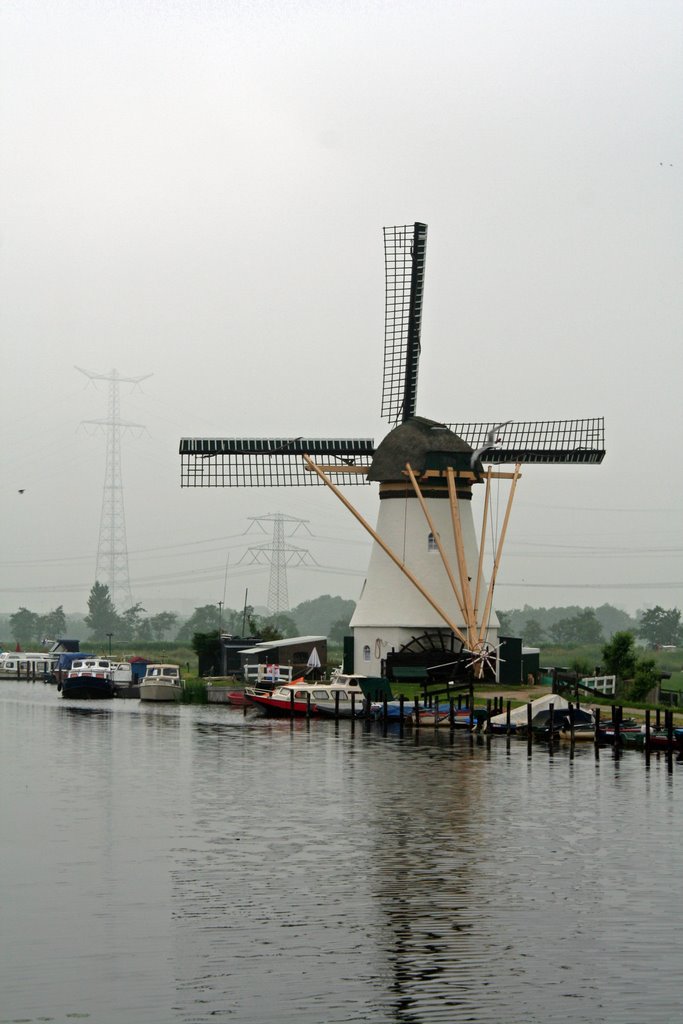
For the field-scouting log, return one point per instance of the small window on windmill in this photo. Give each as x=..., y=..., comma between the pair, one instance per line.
x=431, y=542
x=366, y=653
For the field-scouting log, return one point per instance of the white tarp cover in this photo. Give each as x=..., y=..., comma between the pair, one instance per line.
x=518, y=715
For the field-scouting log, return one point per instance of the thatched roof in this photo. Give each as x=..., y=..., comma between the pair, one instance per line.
x=421, y=442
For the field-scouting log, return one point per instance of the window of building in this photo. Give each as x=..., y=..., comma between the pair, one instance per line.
x=366, y=653
x=431, y=542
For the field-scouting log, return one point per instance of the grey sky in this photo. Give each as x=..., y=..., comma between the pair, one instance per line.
x=197, y=190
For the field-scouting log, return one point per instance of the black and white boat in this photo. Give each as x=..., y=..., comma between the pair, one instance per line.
x=89, y=679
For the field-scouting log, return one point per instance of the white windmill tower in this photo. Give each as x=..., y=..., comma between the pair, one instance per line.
x=425, y=602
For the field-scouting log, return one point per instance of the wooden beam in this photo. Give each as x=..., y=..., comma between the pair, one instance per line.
x=482, y=545
x=437, y=539
x=341, y=469
x=499, y=552
x=385, y=547
x=462, y=558
x=462, y=474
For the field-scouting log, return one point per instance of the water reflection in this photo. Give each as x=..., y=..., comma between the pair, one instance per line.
x=192, y=864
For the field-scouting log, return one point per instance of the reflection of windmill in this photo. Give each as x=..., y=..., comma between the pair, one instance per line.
x=425, y=585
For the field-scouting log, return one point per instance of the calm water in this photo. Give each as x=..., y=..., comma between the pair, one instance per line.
x=185, y=865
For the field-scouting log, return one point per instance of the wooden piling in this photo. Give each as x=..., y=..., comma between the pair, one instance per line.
x=336, y=705
x=597, y=732
x=647, y=736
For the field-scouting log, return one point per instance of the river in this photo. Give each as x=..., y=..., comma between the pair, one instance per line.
x=187, y=864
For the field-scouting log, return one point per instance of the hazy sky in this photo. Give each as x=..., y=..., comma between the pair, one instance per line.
x=197, y=189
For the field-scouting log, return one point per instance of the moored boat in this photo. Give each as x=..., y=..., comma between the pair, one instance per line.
x=315, y=698
x=88, y=679
x=26, y=664
x=161, y=683
x=437, y=715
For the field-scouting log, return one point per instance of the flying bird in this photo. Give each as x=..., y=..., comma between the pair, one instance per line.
x=21, y=490
x=492, y=439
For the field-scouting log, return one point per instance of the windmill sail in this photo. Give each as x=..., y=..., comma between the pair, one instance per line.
x=272, y=461
x=543, y=441
x=404, y=258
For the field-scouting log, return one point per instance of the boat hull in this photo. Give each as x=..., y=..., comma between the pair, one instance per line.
x=282, y=708
x=160, y=691
x=87, y=688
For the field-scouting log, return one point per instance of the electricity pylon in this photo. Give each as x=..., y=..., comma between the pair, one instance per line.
x=279, y=556
x=112, y=548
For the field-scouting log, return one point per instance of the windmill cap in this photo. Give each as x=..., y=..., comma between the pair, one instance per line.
x=425, y=444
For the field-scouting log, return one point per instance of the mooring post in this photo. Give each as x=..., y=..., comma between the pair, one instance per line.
x=336, y=705
x=551, y=723
x=658, y=721
x=416, y=712
x=291, y=703
x=451, y=714
x=647, y=735
x=508, y=713
x=669, y=718
x=597, y=732
x=308, y=705
x=617, y=727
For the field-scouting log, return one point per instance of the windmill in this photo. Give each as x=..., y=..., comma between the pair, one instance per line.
x=425, y=595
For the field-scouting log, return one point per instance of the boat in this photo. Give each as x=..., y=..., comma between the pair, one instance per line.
x=302, y=697
x=26, y=664
x=438, y=715
x=519, y=715
x=546, y=724
x=584, y=727
x=88, y=679
x=237, y=698
x=125, y=680
x=627, y=727
x=161, y=682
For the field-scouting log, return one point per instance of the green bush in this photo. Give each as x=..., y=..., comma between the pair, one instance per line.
x=194, y=692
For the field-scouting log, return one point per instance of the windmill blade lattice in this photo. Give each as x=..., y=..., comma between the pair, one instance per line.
x=544, y=441
x=404, y=259
x=272, y=462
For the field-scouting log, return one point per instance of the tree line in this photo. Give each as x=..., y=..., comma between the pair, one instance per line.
x=324, y=616
x=330, y=616
x=658, y=627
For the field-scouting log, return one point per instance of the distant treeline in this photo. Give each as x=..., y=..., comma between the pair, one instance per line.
x=567, y=623
x=323, y=616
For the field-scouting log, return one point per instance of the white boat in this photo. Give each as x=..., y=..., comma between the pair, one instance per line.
x=24, y=664
x=161, y=682
x=518, y=716
x=302, y=697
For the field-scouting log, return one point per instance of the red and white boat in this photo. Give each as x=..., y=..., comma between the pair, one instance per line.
x=301, y=697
